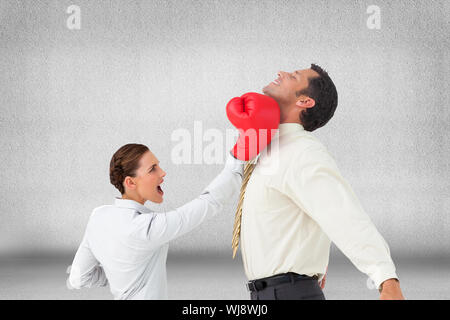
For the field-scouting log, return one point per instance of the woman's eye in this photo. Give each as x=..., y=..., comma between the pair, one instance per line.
x=151, y=169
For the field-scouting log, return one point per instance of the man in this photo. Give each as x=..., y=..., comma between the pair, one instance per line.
x=290, y=216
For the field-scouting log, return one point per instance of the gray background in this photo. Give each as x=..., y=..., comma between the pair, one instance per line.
x=138, y=70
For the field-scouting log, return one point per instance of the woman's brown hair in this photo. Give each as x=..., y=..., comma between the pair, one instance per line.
x=124, y=163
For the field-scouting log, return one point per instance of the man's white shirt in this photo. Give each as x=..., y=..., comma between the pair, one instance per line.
x=297, y=202
x=125, y=244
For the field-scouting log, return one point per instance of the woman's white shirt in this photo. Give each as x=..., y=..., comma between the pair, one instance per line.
x=125, y=245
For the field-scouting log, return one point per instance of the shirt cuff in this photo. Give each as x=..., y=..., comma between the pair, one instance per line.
x=233, y=164
x=382, y=275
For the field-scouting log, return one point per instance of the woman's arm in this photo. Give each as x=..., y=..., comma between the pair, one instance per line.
x=86, y=271
x=159, y=228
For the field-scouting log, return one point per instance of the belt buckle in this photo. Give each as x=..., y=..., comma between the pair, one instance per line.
x=250, y=286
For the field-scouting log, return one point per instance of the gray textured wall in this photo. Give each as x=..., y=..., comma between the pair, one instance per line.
x=138, y=70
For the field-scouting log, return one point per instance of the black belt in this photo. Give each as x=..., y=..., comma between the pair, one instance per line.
x=259, y=284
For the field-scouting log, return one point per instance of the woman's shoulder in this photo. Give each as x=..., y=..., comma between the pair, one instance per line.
x=121, y=214
x=103, y=208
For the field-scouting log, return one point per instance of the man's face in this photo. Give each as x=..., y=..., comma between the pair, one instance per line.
x=283, y=88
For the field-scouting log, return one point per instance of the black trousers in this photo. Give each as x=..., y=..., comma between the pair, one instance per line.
x=298, y=289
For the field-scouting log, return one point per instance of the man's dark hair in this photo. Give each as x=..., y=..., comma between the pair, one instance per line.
x=323, y=91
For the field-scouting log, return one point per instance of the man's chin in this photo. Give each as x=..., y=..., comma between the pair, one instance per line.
x=266, y=91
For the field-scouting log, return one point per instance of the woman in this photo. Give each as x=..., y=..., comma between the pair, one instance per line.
x=126, y=244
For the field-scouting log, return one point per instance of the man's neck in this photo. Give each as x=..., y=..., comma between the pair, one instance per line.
x=287, y=121
x=289, y=118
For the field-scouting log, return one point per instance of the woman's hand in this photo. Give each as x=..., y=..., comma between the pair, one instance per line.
x=257, y=117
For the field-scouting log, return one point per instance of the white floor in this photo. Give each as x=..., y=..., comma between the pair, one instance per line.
x=219, y=277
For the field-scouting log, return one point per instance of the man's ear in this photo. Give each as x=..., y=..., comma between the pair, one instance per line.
x=305, y=102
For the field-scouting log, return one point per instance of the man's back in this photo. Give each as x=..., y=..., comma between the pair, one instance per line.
x=296, y=202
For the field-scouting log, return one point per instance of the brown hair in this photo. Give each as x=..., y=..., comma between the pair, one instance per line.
x=124, y=163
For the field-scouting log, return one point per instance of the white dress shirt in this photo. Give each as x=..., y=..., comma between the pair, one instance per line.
x=126, y=244
x=296, y=203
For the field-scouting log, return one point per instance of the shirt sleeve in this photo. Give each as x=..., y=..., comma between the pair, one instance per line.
x=159, y=228
x=315, y=184
x=86, y=271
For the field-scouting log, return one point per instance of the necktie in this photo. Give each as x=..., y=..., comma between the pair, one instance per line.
x=237, y=220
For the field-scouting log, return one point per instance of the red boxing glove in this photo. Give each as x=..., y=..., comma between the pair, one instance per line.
x=257, y=117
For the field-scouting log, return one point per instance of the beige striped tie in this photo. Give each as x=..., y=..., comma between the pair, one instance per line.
x=249, y=166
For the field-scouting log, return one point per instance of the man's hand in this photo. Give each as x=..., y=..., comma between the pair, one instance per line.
x=322, y=282
x=390, y=290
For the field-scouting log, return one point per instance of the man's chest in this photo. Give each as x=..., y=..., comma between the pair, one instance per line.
x=264, y=191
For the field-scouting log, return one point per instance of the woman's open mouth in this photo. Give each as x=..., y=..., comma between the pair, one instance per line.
x=160, y=191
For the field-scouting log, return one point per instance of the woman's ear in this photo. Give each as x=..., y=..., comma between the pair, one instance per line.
x=305, y=102
x=129, y=183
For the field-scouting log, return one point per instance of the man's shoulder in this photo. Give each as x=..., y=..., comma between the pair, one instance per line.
x=307, y=149
x=304, y=142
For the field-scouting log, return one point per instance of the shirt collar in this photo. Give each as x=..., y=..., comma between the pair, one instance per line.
x=289, y=127
x=131, y=204
x=284, y=129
